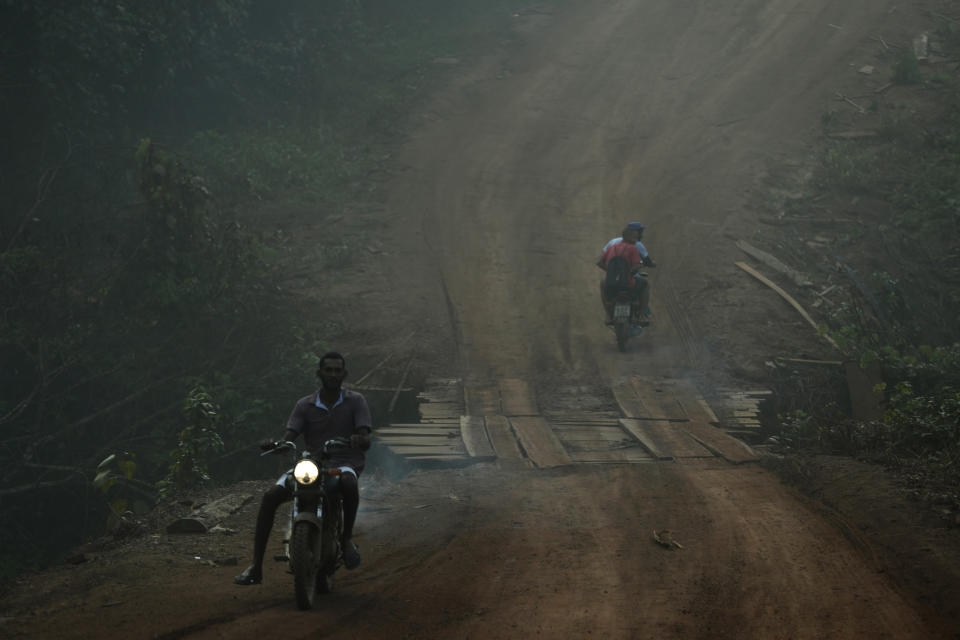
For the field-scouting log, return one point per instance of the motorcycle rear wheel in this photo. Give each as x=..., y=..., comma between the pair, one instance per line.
x=623, y=333
x=305, y=563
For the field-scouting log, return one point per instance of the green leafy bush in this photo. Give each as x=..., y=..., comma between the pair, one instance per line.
x=198, y=441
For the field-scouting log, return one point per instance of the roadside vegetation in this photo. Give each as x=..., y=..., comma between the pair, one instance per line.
x=144, y=338
x=898, y=188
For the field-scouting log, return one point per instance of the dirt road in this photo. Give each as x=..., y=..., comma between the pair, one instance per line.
x=662, y=111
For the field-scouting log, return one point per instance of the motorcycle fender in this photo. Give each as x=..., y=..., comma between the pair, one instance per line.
x=310, y=517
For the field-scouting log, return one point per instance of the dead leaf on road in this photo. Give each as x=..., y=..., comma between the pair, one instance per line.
x=665, y=539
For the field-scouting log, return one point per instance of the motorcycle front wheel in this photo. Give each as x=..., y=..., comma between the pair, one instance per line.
x=305, y=563
x=332, y=532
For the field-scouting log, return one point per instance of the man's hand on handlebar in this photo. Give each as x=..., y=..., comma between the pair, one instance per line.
x=360, y=441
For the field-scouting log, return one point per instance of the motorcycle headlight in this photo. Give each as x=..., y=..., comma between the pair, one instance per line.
x=306, y=472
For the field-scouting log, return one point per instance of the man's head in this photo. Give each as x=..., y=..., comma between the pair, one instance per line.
x=332, y=370
x=630, y=235
x=638, y=227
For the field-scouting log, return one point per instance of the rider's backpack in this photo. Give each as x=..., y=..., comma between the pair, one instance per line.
x=617, y=275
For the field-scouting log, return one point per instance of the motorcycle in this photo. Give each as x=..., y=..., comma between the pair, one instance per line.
x=312, y=541
x=627, y=318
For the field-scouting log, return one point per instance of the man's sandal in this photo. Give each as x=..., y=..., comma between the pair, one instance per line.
x=351, y=556
x=249, y=576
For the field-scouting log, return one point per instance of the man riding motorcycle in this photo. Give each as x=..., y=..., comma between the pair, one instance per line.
x=632, y=234
x=329, y=412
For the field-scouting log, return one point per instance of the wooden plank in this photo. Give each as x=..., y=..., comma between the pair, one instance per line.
x=628, y=401
x=452, y=415
x=434, y=396
x=800, y=279
x=449, y=424
x=751, y=403
x=538, y=440
x=501, y=437
x=723, y=444
x=424, y=431
x=516, y=398
x=757, y=394
x=438, y=458
x=474, y=436
x=427, y=441
x=660, y=398
x=578, y=416
x=442, y=390
x=703, y=407
x=441, y=408
x=603, y=434
x=666, y=440
x=635, y=455
x=482, y=401
x=672, y=399
x=406, y=451
x=650, y=444
x=579, y=448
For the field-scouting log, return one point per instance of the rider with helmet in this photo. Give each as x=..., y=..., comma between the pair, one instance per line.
x=632, y=233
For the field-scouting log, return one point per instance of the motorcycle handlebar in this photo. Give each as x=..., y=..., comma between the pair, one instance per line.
x=333, y=443
x=279, y=446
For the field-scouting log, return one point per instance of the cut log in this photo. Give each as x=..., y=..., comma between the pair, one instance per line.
x=209, y=515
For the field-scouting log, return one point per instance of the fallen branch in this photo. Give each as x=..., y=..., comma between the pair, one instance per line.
x=798, y=278
x=382, y=362
x=832, y=363
x=883, y=88
x=786, y=296
x=396, y=394
x=886, y=45
x=848, y=100
x=368, y=373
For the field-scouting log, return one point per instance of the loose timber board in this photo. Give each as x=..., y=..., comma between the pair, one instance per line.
x=666, y=440
x=538, y=440
x=501, y=437
x=475, y=438
x=726, y=446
